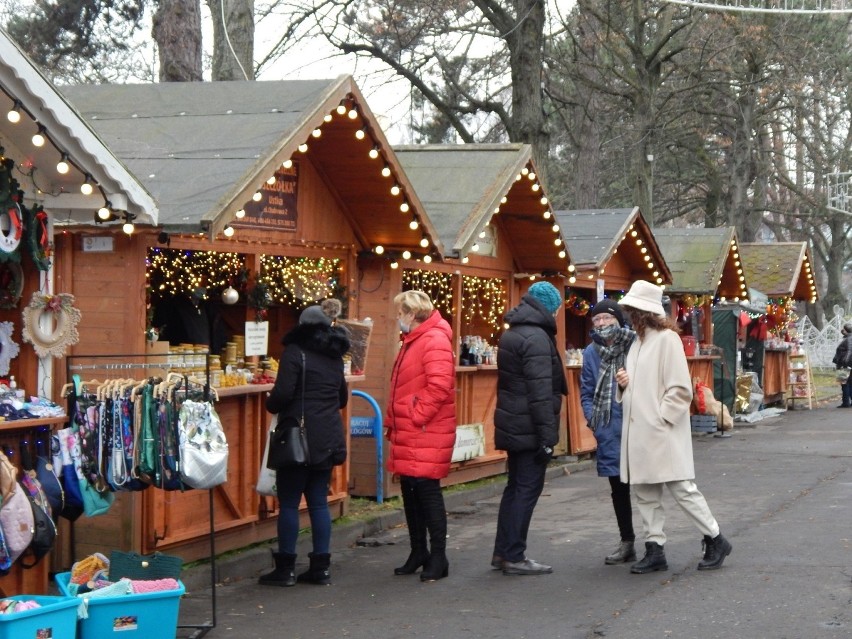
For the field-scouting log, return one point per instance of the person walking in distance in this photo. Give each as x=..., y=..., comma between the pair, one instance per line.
x=530, y=386
x=421, y=427
x=601, y=359
x=843, y=361
x=656, y=441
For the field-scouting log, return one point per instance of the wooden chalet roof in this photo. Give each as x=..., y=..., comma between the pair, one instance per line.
x=704, y=261
x=464, y=186
x=40, y=104
x=204, y=148
x=608, y=243
x=780, y=269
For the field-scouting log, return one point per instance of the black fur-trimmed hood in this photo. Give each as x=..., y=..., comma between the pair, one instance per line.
x=326, y=340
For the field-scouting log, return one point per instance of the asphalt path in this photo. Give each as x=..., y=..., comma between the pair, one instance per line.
x=780, y=489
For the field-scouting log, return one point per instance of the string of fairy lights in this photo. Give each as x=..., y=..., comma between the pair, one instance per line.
x=291, y=281
x=485, y=298
x=298, y=280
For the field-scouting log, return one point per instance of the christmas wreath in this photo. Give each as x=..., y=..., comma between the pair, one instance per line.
x=61, y=316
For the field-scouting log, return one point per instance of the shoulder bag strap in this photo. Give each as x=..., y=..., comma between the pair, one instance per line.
x=302, y=421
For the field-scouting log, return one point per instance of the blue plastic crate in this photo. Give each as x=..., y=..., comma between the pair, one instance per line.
x=151, y=615
x=56, y=618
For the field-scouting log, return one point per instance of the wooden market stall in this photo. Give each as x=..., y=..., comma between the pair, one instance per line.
x=610, y=249
x=783, y=272
x=706, y=269
x=497, y=232
x=268, y=192
x=54, y=168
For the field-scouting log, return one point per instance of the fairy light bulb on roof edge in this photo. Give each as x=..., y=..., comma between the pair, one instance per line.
x=287, y=164
x=525, y=171
x=303, y=147
x=555, y=228
x=38, y=138
x=504, y=199
x=546, y=215
x=327, y=117
x=257, y=197
x=394, y=264
x=572, y=280
x=353, y=113
x=406, y=254
x=14, y=114
x=395, y=190
x=531, y=175
x=86, y=187
x=544, y=199
x=562, y=254
x=571, y=268
x=424, y=241
x=341, y=108
x=465, y=259
x=386, y=171
x=62, y=166
x=270, y=180
x=360, y=134
x=128, y=228
x=535, y=187
x=414, y=224
x=427, y=258
x=316, y=132
x=374, y=152
x=404, y=207
x=228, y=231
x=104, y=213
x=240, y=214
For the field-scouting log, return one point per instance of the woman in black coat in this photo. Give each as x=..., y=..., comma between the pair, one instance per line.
x=310, y=383
x=843, y=360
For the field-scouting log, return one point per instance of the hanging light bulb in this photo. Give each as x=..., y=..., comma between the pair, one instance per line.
x=394, y=264
x=406, y=255
x=341, y=108
x=353, y=113
x=228, y=231
x=257, y=197
x=287, y=164
x=270, y=180
x=240, y=214
x=361, y=133
x=374, y=152
x=379, y=249
x=327, y=117
x=543, y=200
x=303, y=147
x=427, y=258
x=86, y=187
x=104, y=213
x=38, y=138
x=404, y=207
x=413, y=224
x=14, y=114
x=424, y=241
x=316, y=132
x=395, y=190
x=127, y=227
x=386, y=171
x=62, y=166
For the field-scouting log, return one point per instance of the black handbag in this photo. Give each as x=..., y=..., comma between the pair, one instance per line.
x=143, y=567
x=289, y=441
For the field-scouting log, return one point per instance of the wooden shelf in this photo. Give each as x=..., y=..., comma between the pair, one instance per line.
x=799, y=384
x=23, y=424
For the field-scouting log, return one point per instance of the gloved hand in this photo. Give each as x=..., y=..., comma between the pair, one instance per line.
x=543, y=455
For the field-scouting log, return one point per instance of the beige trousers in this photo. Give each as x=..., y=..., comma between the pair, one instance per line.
x=649, y=501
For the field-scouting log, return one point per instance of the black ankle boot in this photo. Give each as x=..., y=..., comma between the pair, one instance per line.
x=624, y=553
x=437, y=567
x=418, y=558
x=715, y=551
x=284, y=573
x=319, y=572
x=416, y=531
x=654, y=559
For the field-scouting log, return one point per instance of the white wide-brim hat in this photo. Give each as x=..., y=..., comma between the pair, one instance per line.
x=645, y=297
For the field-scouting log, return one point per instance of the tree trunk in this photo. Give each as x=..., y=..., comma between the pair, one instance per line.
x=233, y=43
x=525, y=52
x=177, y=32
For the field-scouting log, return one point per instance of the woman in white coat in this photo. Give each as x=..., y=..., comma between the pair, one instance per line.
x=656, y=440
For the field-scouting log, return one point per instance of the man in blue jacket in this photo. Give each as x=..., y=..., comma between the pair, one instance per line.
x=530, y=386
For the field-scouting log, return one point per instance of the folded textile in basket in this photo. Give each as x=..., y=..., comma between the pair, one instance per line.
x=153, y=585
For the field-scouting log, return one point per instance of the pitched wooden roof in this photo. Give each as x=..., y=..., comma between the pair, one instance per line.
x=780, y=269
x=464, y=186
x=704, y=261
x=40, y=103
x=204, y=148
x=609, y=243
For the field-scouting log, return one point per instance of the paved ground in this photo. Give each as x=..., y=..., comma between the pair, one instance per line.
x=780, y=488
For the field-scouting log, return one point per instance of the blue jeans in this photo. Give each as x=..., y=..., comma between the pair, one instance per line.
x=523, y=488
x=313, y=484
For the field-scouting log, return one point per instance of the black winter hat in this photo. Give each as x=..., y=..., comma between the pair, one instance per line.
x=608, y=306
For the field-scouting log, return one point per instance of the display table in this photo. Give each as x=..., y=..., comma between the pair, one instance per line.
x=576, y=438
x=776, y=363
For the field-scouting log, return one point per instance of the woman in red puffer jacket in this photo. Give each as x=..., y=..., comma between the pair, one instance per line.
x=421, y=426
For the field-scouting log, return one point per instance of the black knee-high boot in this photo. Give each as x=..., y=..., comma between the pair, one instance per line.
x=419, y=555
x=434, y=512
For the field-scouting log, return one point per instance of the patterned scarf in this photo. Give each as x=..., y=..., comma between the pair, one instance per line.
x=614, y=342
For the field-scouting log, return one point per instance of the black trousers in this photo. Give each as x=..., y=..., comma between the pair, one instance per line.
x=623, y=509
x=424, y=506
x=523, y=488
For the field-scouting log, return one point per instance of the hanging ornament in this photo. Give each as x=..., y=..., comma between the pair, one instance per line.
x=50, y=323
x=9, y=349
x=230, y=296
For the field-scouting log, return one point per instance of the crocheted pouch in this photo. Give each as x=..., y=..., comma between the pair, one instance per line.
x=135, y=566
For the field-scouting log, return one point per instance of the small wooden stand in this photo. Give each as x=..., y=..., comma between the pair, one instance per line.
x=800, y=387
